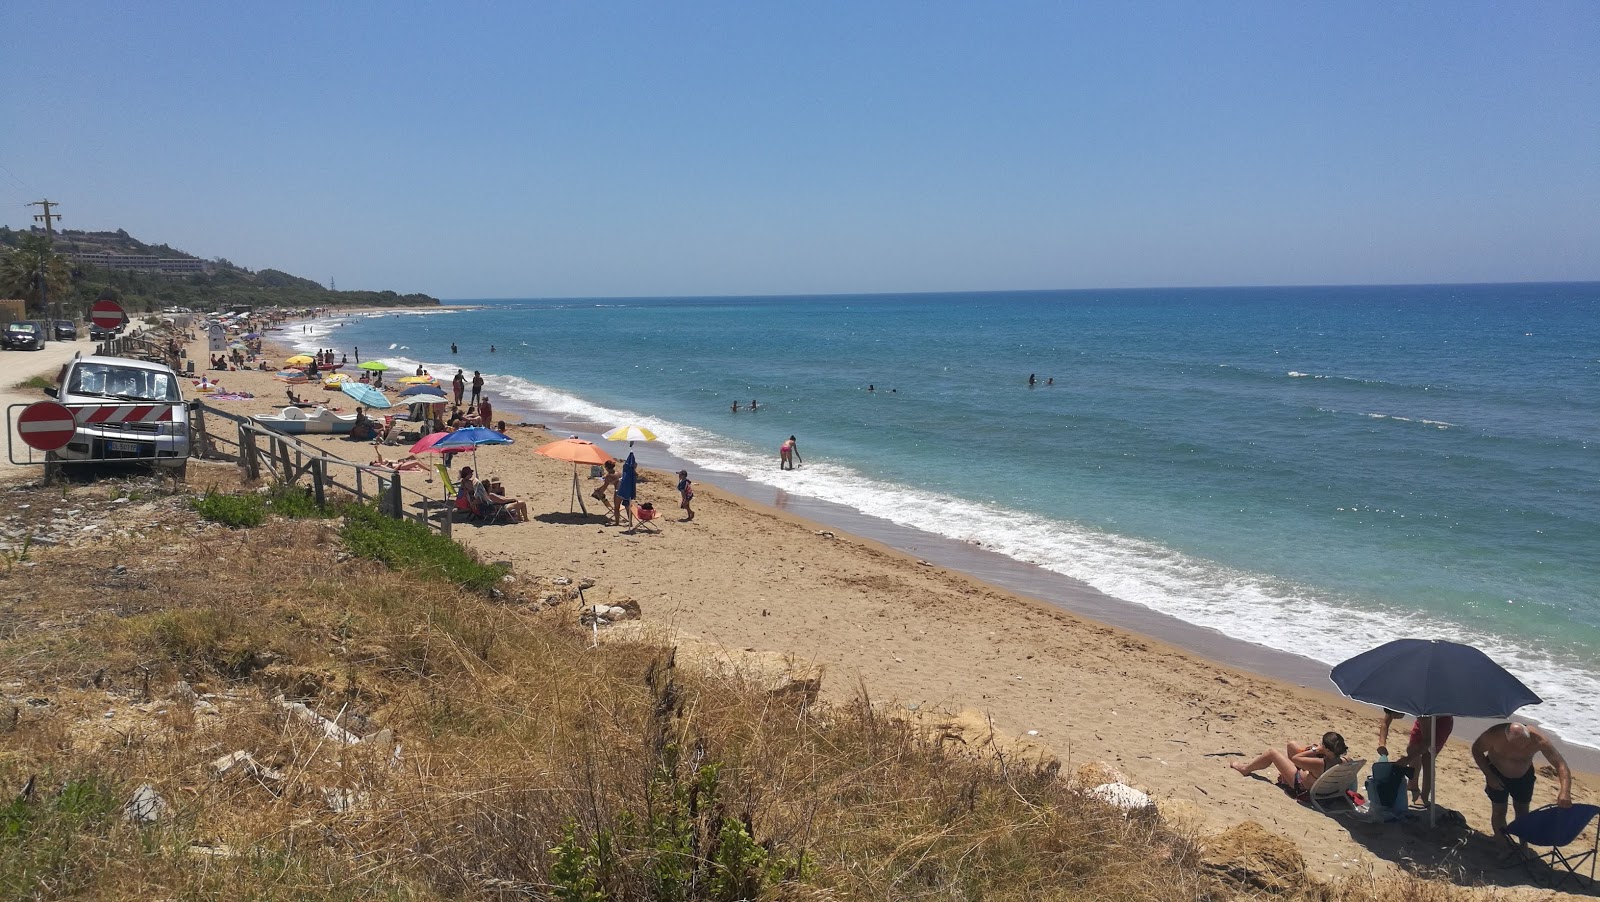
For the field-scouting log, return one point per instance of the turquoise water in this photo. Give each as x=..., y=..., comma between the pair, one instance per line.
x=1417, y=460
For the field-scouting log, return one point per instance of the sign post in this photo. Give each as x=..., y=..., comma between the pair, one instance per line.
x=46, y=426
x=107, y=314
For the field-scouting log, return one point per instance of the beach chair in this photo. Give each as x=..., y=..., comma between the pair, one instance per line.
x=644, y=518
x=452, y=501
x=1555, y=827
x=488, y=511
x=1331, y=793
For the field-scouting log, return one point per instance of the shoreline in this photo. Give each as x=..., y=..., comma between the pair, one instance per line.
x=936, y=626
x=1027, y=580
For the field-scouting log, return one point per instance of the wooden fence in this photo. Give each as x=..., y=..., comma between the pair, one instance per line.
x=260, y=450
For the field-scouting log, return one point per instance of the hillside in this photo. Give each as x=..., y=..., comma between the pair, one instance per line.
x=218, y=283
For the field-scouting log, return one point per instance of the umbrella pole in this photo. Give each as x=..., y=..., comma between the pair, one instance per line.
x=1428, y=765
x=577, y=492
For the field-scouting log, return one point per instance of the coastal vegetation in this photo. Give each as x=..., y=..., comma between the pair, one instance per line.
x=219, y=284
x=323, y=702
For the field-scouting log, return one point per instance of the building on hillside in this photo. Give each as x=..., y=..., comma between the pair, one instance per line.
x=172, y=266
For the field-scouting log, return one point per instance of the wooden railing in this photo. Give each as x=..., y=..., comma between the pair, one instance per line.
x=261, y=451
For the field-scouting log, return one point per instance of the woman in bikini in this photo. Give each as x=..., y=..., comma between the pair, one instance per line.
x=1300, y=767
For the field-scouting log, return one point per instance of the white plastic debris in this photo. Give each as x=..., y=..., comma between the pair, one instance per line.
x=1121, y=795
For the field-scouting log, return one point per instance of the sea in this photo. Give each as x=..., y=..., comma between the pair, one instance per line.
x=1315, y=470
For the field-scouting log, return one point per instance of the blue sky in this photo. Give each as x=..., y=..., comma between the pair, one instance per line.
x=565, y=149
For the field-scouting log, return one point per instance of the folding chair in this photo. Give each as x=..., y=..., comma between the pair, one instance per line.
x=488, y=511
x=643, y=518
x=1331, y=793
x=1556, y=827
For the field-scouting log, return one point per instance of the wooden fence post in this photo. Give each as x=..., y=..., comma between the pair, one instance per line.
x=396, y=504
x=249, y=455
x=319, y=476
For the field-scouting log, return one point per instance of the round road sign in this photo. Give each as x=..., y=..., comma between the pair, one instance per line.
x=47, y=426
x=106, y=314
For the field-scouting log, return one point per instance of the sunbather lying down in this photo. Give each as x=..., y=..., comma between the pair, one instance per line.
x=409, y=462
x=1299, y=765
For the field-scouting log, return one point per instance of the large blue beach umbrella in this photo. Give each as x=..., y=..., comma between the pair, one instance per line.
x=1432, y=678
x=365, y=395
x=469, y=438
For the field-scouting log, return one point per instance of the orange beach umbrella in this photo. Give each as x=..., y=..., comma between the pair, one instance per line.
x=579, y=452
x=574, y=449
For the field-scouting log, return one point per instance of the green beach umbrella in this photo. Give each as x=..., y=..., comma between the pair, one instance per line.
x=375, y=365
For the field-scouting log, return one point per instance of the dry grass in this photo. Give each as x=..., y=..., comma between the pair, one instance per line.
x=529, y=766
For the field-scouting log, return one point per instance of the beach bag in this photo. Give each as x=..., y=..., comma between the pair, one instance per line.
x=596, y=471
x=1386, y=789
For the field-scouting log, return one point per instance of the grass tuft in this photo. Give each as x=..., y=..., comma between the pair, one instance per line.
x=234, y=511
x=36, y=383
x=411, y=546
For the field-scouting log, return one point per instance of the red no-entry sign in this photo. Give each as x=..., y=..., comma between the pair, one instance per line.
x=106, y=314
x=47, y=426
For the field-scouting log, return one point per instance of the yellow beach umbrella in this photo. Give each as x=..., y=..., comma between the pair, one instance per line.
x=417, y=380
x=299, y=360
x=631, y=433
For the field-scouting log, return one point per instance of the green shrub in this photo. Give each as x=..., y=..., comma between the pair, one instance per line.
x=403, y=544
x=294, y=502
x=40, y=838
x=36, y=383
x=208, y=637
x=231, y=510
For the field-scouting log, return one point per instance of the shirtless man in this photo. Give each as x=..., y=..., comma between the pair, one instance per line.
x=1505, y=755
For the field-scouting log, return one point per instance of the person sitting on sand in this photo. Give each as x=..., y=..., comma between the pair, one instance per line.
x=362, y=430
x=1299, y=766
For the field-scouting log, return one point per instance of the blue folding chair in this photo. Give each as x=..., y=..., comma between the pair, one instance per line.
x=1556, y=827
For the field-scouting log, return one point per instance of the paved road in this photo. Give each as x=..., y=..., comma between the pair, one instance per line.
x=19, y=366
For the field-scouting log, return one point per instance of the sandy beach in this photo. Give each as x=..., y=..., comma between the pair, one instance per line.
x=753, y=580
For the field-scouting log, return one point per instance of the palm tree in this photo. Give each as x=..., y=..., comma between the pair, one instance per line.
x=21, y=270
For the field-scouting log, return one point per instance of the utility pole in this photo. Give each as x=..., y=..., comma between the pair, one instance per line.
x=46, y=217
x=50, y=243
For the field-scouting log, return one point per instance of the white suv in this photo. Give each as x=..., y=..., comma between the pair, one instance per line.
x=127, y=410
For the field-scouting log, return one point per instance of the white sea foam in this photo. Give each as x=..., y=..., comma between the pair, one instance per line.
x=1247, y=606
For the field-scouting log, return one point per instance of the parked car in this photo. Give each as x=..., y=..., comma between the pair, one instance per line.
x=66, y=330
x=98, y=334
x=27, y=335
x=152, y=395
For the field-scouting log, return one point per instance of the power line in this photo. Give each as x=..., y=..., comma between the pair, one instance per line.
x=14, y=180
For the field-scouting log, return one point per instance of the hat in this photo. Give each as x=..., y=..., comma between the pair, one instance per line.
x=466, y=471
x=683, y=472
